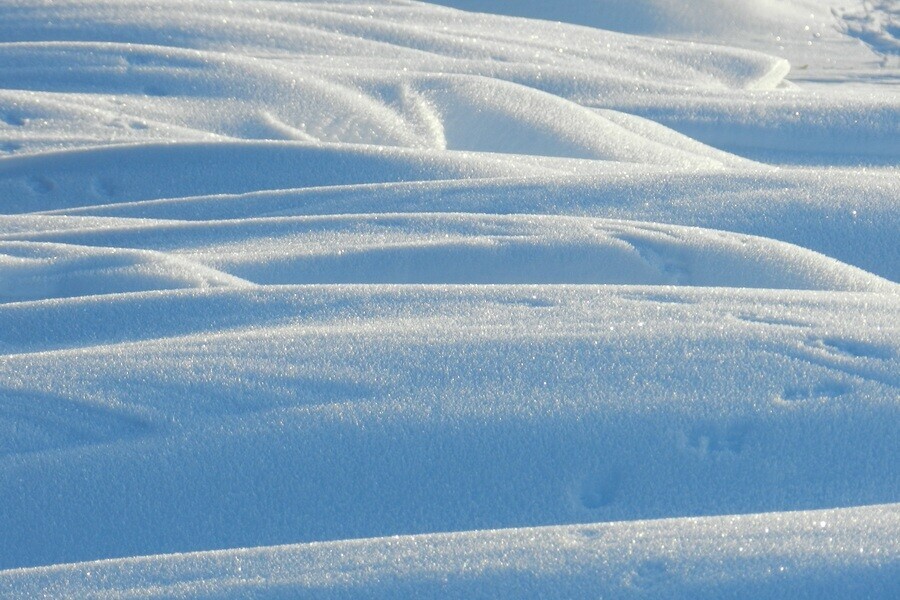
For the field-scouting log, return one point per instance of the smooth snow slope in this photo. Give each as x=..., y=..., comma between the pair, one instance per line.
x=802, y=555
x=375, y=299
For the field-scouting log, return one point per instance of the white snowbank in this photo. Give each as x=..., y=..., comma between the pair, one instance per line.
x=571, y=311
x=814, y=554
x=287, y=414
x=424, y=248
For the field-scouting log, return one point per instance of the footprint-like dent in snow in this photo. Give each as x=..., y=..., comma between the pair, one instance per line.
x=650, y=575
x=826, y=390
x=13, y=120
x=128, y=124
x=600, y=489
x=590, y=533
x=10, y=147
x=104, y=187
x=40, y=184
x=874, y=23
x=708, y=440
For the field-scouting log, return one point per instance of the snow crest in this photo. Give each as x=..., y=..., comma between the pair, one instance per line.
x=389, y=299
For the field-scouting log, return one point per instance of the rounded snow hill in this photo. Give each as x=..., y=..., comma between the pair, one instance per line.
x=795, y=29
x=436, y=248
x=810, y=554
x=378, y=297
x=37, y=271
x=184, y=420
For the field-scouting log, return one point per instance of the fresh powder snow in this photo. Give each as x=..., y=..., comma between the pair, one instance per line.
x=473, y=298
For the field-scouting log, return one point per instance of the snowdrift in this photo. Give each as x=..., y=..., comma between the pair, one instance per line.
x=380, y=299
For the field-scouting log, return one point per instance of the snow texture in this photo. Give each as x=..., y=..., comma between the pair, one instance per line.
x=469, y=299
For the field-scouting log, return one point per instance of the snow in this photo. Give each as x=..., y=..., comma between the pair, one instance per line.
x=806, y=555
x=386, y=298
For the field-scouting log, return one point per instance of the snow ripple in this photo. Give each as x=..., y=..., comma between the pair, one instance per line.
x=418, y=301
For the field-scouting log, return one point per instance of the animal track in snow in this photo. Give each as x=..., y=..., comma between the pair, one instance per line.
x=105, y=188
x=876, y=23
x=600, y=489
x=590, y=533
x=650, y=575
x=13, y=120
x=659, y=249
x=40, y=184
x=826, y=390
x=714, y=440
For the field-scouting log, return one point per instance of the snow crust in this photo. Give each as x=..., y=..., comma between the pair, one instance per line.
x=386, y=298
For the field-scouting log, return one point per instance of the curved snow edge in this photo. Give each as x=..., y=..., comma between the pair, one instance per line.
x=773, y=77
x=765, y=555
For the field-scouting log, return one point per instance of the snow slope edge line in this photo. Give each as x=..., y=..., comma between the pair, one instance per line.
x=779, y=545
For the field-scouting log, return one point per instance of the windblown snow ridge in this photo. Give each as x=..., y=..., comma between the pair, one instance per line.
x=847, y=551
x=552, y=303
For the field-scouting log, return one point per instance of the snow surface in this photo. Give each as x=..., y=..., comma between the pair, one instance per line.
x=389, y=299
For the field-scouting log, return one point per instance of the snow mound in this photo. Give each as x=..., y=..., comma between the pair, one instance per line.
x=463, y=249
x=367, y=411
x=36, y=271
x=382, y=298
x=844, y=552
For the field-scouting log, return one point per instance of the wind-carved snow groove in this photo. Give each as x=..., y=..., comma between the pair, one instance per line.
x=772, y=321
x=426, y=119
x=850, y=359
x=32, y=422
x=282, y=130
x=672, y=269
